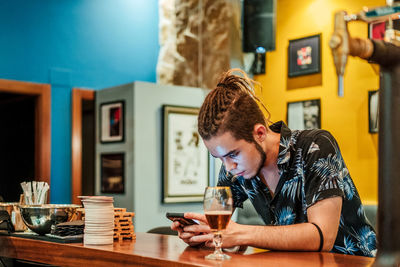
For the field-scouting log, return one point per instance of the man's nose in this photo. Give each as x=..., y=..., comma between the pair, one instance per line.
x=230, y=165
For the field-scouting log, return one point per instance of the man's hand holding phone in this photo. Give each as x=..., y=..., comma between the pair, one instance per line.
x=191, y=232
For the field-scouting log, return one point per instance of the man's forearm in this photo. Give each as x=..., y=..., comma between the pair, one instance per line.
x=303, y=237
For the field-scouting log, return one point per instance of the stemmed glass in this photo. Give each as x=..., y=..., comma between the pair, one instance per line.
x=218, y=210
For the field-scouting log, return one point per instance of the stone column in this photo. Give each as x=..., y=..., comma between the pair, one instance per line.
x=195, y=42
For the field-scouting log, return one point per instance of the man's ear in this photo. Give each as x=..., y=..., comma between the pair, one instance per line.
x=259, y=132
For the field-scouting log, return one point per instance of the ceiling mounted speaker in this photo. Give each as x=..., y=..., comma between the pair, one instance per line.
x=259, y=25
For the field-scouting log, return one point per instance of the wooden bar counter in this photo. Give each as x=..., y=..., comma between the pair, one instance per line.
x=160, y=250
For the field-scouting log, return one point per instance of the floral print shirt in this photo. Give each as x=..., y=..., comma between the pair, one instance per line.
x=311, y=169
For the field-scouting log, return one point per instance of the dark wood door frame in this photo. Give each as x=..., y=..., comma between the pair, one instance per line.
x=76, y=145
x=42, y=122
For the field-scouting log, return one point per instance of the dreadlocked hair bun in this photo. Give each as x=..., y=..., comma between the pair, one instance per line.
x=231, y=106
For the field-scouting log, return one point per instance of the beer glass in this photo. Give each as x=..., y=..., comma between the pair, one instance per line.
x=218, y=210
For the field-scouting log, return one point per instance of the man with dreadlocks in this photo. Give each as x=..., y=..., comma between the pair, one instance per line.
x=296, y=180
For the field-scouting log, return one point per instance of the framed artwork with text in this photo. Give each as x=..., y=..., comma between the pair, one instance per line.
x=185, y=157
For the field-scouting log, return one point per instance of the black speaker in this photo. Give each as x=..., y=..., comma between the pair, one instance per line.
x=259, y=23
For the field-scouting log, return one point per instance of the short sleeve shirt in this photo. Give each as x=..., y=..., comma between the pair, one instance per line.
x=311, y=169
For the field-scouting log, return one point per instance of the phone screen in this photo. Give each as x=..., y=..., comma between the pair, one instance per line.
x=174, y=216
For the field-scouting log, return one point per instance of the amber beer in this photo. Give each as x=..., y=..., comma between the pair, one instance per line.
x=218, y=220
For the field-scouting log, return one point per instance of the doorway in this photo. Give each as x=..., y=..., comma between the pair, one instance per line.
x=24, y=135
x=17, y=142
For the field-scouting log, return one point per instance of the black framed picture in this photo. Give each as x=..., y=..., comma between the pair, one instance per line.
x=112, y=118
x=185, y=157
x=112, y=173
x=304, y=56
x=373, y=111
x=304, y=115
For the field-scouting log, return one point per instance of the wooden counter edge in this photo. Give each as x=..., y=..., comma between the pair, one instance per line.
x=60, y=254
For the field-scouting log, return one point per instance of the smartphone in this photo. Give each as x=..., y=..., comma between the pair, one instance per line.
x=178, y=216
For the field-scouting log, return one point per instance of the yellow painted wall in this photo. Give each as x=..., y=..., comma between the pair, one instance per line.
x=346, y=118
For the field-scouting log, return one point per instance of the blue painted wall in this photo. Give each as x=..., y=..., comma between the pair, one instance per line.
x=72, y=43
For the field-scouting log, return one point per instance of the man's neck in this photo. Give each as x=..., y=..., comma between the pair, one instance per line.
x=271, y=149
x=269, y=172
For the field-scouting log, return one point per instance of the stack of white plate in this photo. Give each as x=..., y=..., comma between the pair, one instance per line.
x=99, y=220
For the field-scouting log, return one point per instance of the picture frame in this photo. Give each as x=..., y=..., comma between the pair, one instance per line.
x=304, y=115
x=112, y=171
x=185, y=157
x=304, y=56
x=373, y=111
x=376, y=30
x=112, y=122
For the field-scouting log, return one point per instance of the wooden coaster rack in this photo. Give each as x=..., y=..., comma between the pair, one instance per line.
x=123, y=228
